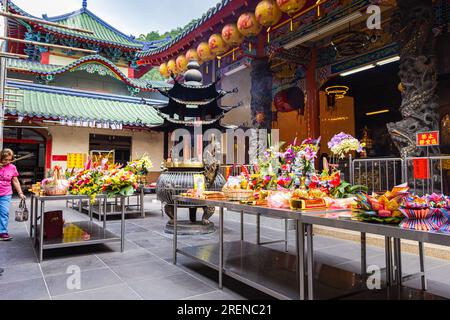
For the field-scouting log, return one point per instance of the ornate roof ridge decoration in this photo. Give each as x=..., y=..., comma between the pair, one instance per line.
x=210, y=14
x=123, y=40
x=109, y=68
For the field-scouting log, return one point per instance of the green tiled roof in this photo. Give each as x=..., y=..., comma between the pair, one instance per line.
x=85, y=19
x=31, y=66
x=48, y=69
x=67, y=107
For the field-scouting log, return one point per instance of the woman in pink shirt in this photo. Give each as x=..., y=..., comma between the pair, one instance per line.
x=8, y=177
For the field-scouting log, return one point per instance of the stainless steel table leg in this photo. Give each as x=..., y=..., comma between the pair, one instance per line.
x=300, y=248
x=31, y=215
x=80, y=205
x=397, y=262
x=310, y=261
x=35, y=223
x=100, y=206
x=141, y=199
x=286, y=234
x=105, y=203
x=388, y=257
x=221, y=247
x=242, y=225
x=90, y=210
x=422, y=266
x=122, y=238
x=363, y=256
x=41, y=233
x=258, y=229
x=399, y=265
x=175, y=230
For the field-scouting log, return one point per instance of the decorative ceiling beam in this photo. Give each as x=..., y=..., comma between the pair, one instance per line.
x=42, y=44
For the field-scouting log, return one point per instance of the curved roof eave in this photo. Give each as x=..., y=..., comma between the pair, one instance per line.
x=212, y=17
x=147, y=86
x=137, y=45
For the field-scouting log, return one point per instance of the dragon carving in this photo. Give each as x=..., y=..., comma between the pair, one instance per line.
x=413, y=24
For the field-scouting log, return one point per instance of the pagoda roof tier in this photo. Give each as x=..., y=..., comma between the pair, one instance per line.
x=173, y=124
x=103, y=33
x=211, y=109
x=104, y=67
x=194, y=94
x=76, y=107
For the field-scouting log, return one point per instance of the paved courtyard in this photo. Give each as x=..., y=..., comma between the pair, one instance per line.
x=145, y=269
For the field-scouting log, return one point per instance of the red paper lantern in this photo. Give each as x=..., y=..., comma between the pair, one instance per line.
x=192, y=54
x=290, y=6
x=248, y=25
x=204, y=53
x=216, y=44
x=172, y=67
x=231, y=35
x=267, y=13
x=181, y=63
x=164, y=71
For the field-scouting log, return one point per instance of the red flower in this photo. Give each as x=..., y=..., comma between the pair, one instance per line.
x=335, y=181
x=325, y=190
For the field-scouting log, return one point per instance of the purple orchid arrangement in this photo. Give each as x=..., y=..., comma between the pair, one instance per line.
x=343, y=143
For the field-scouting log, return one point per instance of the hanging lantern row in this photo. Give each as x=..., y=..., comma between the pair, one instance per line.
x=267, y=14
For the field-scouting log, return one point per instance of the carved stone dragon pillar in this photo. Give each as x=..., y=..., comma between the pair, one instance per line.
x=413, y=26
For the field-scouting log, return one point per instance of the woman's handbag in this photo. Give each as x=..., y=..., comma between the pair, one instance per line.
x=21, y=213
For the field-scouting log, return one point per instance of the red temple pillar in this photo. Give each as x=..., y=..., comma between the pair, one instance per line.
x=45, y=57
x=131, y=73
x=48, y=154
x=312, y=94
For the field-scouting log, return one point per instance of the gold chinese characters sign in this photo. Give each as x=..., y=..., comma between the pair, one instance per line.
x=426, y=139
x=76, y=160
x=99, y=155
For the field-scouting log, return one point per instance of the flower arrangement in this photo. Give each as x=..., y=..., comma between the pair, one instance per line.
x=119, y=182
x=103, y=177
x=304, y=159
x=140, y=167
x=86, y=182
x=343, y=143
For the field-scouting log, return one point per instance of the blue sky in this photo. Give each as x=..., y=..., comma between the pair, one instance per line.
x=131, y=16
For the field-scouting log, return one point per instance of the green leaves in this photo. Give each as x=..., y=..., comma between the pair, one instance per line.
x=128, y=191
x=346, y=190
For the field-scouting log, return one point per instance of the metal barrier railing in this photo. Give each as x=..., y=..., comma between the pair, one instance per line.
x=378, y=174
x=426, y=175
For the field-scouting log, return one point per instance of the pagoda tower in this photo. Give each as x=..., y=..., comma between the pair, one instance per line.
x=192, y=104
